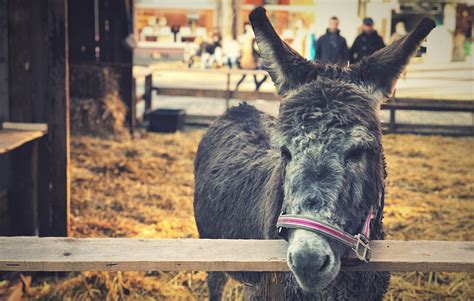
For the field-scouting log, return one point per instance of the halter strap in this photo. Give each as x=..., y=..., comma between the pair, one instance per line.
x=359, y=243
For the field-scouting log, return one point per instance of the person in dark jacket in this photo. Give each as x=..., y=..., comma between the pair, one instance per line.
x=367, y=42
x=332, y=47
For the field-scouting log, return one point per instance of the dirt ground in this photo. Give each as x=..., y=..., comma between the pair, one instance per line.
x=144, y=188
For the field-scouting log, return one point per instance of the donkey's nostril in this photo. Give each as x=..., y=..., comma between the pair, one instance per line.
x=325, y=260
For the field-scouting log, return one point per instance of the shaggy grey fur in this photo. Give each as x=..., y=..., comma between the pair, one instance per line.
x=322, y=157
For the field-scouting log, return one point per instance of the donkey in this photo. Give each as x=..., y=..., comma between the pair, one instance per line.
x=320, y=160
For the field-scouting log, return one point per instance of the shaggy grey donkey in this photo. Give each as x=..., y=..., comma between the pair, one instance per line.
x=321, y=158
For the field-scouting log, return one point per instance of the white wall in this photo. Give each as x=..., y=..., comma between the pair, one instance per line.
x=345, y=10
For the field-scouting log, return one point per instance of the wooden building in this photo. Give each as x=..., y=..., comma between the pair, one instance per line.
x=39, y=41
x=34, y=102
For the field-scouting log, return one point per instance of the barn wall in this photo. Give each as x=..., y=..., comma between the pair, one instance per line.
x=28, y=60
x=38, y=92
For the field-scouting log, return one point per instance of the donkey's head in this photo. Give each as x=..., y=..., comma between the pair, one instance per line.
x=330, y=140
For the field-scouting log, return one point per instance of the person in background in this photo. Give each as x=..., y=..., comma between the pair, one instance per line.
x=149, y=32
x=367, y=42
x=231, y=50
x=211, y=52
x=298, y=42
x=332, y=47
x=250, y=59
x=247, y=45
x=310, y=43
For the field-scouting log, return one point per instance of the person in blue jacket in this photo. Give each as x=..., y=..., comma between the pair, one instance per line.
x=331, y=47
x=367, y=42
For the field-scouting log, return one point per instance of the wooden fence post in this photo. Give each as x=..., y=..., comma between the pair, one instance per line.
x=393, y=121
x=273, y=288
x=148, y=92
x=58, y=125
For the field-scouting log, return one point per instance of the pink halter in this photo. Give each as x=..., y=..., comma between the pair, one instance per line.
x=359, y=243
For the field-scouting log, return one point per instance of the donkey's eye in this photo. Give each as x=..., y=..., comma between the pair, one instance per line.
x=355, y=155
x=285, y=153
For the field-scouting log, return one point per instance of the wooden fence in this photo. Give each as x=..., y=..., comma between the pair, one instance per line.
x=394, y=105
x=134, y=254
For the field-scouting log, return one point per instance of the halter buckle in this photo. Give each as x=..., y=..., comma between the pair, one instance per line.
x=361, y=248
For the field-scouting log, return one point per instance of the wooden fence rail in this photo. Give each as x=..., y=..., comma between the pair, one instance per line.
x=392, y=126
x=133, y=254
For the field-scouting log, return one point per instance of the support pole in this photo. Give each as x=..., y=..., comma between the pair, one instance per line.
x=273, y=288
x=58, y=125
x=393, y=122
x=148, y=91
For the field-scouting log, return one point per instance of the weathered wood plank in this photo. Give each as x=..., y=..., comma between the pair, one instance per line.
x=43, y=127
x=222, y=71
x=409, y=104
x=132, y=254
x=428, y=129
x=58, y=123
x=12, y=139
x=220, y=94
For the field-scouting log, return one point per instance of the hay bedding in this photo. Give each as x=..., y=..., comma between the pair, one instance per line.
x=96, y=106
x=144, y=188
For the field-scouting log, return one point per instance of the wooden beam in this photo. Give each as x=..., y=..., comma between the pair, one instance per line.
x=222, y=94
x=58, y=75
x=210, y=71
x=469, y=103
x=428, y=129
x=44, y=192
x=397, y=104
x=429, y=105
x=134, y=254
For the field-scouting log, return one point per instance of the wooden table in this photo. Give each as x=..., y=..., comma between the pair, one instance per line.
x=11, y=139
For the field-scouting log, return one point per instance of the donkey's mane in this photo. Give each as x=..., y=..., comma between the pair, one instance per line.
x=327, y=105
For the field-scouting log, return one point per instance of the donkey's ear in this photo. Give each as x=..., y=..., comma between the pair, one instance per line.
x=383, y=67
x=286, y=67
